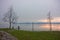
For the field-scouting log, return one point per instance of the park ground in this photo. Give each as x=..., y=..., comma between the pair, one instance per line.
x=33, y=35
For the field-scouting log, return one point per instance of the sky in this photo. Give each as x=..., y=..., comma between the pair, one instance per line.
x=31, y=10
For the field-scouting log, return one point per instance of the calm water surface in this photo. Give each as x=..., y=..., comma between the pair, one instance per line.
x=38, y=27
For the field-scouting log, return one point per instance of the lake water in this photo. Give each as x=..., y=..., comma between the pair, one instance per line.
x=38, y=27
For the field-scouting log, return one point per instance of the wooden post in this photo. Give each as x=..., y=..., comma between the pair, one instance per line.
x=18, y=27
x=32, y=27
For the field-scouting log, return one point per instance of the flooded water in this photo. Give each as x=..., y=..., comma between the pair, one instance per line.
x=38, y=27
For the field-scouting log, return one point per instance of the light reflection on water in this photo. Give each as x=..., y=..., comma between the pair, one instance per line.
x=39, y=27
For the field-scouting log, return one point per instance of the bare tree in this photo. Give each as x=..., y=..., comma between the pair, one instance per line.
x=10, y=17
x=49, y=17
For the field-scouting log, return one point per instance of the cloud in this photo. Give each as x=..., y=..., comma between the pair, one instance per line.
x=56, y=19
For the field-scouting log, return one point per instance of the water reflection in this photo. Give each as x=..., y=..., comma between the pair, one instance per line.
x=39, y=27
x=55, y=27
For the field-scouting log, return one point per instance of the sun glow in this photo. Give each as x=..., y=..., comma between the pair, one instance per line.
x=55, y=27
x=57, y=19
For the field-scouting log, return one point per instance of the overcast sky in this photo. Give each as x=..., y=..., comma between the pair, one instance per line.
x=31, y=10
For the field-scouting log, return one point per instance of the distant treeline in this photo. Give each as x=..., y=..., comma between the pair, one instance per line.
x=38, y=23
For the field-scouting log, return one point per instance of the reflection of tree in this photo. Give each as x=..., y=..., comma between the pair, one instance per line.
x=10, y=17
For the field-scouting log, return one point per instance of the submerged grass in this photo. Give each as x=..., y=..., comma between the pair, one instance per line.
x=33, y=35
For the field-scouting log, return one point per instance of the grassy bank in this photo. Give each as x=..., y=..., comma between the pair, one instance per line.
x=29, y=35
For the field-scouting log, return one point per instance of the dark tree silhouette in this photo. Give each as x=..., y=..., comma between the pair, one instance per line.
x=10, y=17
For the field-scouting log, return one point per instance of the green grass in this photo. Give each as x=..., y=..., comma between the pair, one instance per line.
x=29, y=35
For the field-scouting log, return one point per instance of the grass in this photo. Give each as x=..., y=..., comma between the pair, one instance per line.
x=29, y=35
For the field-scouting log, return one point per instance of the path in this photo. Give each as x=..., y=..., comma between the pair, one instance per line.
x=6, y=36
